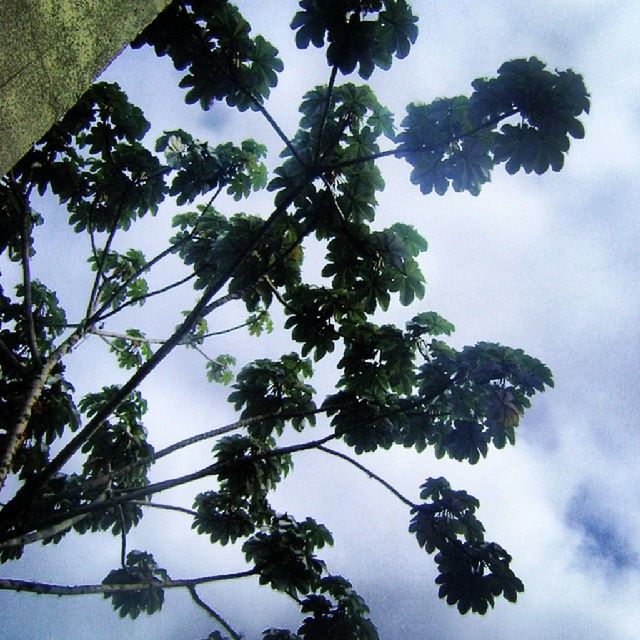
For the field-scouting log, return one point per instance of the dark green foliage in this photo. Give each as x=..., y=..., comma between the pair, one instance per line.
x=456, y=142
x=273, y=389
x=203, y=169
x=211, y=41
x=121, y=442
x=395, y=386
x=247, y=469
x=359, y=33
x=472, y=572
x=283, y=554
x=227, y=516
x=336, y=611
x=93, y=150
x=140, y=567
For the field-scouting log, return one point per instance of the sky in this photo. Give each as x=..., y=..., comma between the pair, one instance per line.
x=549, y=264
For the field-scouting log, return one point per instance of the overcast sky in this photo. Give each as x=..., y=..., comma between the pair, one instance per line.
x=549, y=264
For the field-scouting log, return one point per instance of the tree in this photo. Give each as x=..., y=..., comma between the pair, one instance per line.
x=80, y=465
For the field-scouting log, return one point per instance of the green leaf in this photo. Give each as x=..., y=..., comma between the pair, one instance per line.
x=430, y=323
x=140, y=567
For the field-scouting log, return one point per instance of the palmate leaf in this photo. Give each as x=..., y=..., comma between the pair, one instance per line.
x=213, y=43
x=140, y=567
x=283, y=554
x=471, y=572
x=337, y=611
x=401, y=30
x=429, y=323
x=360, y=34
x=226, y=518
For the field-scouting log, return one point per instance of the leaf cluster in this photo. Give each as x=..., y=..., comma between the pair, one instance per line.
x=211, y=41
x=283, y=554
x=201, y=168
x=456, y=142
x=94, y=162
x=360, y=33
x=140, y=567
x=471, y=572
x=275, y=392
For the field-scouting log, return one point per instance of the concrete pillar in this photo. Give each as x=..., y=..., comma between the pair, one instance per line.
x=50, y=52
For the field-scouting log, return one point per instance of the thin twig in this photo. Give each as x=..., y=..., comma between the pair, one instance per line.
x=164, y=485
x=278, y=295
x=166, y=507
x=17, y=433
x=101, y=262
x=88, y=589
x=25, y=235
x=123, y=538
x=213, y=613
x=399, y=150
x=325, y=113
x=145, y=267
x=135, y=338
x=368, y=472
x=146, y=296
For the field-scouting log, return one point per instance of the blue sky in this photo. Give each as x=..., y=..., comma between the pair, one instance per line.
x=549, y=264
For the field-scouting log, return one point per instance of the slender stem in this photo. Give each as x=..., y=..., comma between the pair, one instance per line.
x=221, y=332
x=164, y=485
x=101, y=262
x=261, y=108
x=230, y=73
x=213, y=613
x=399, y=150
x=17, y=433
x=32, y=341
x=368, y=472
x=88, y=589
x=102, y=480
x=325, y=113
x=146, y=296
x=278, y=295
x=123, y=538
x=165, y=507
x=216, y=304
x=145, y=267
x=202, y=353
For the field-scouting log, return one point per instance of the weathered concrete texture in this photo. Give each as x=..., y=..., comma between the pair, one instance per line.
x=50, y=52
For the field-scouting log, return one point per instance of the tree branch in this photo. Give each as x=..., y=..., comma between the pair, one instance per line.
x=25, y=234
x=164, y=485
x=101, y=262
x=10, y=362
x=399, y=150
x=145, y=267
x=130, y=301
x=123, y=539
x=369, y=473
x=44, y=588
x=31, y=487
x=18, y=431
x=213, y=613
x=165, y=507
x=325, y=113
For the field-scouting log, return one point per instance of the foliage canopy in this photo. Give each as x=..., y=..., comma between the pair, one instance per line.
x=397, y=386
